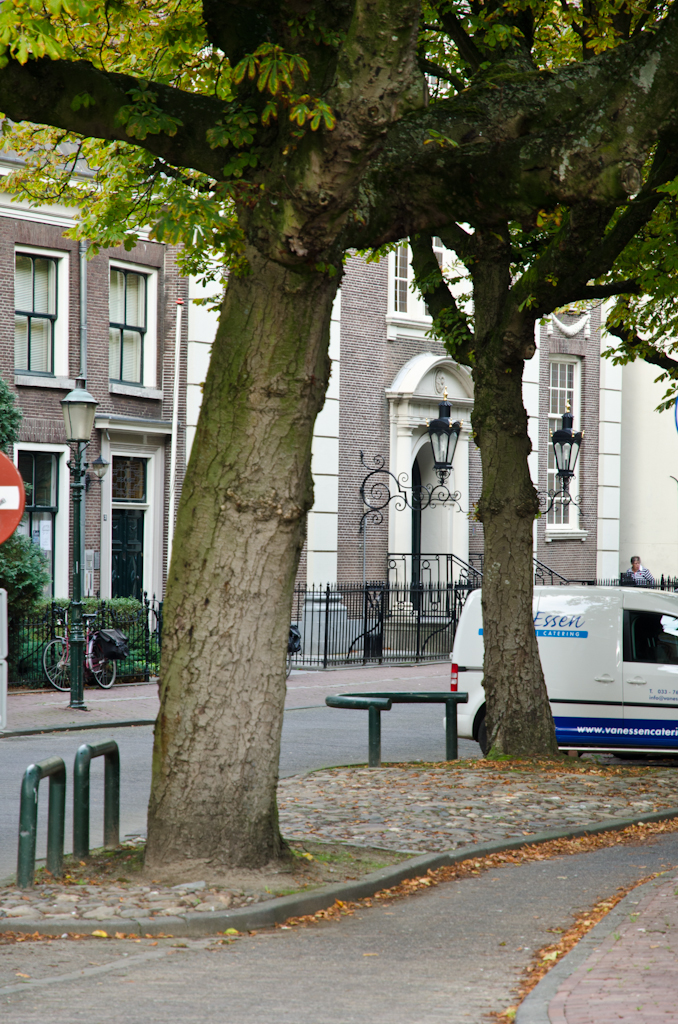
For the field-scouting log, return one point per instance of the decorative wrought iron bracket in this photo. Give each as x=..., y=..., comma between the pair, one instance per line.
x=547, y=499
x=380, y=487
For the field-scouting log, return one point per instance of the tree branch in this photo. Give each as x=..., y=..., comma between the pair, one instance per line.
x=43, y=91
x=462, y=242
x=436, y=71
x=605, y=291
x=238, y=28
x=455, y=30
x=476, y=157
x=450, y=320
x=650, y=354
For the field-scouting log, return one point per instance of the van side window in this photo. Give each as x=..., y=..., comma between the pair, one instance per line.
x=651, y=637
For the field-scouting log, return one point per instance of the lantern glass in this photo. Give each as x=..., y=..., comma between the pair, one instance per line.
x=439, y=443
x=100, y=467
x=566, y=445
x=78, y=408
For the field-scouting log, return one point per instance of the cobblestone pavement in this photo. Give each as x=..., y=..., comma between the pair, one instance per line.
x=117, y=904
x=632, y=978
x=441, y=808
x=400, y=808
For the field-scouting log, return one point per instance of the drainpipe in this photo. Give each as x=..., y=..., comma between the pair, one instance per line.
x=83, y=311
x=175, y=435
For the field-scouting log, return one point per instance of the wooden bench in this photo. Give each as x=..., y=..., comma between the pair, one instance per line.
x=375, y=703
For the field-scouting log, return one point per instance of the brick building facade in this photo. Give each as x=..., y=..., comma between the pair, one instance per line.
x=388, y=377
x=56, y=312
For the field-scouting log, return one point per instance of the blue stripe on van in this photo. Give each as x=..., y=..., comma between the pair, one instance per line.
x=578, y=634
x=623, y=732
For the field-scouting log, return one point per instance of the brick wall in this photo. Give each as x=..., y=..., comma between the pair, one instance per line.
x=573, y=558
x=43, y=420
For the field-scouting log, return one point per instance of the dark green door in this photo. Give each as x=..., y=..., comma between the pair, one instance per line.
x=128, y=553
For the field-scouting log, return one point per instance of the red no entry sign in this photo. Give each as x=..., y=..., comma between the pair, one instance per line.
x=12, y=497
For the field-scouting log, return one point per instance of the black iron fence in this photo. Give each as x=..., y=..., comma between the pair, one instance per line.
x=381, y=622
x=356, y=623
x=340, y=624
x=140, y=621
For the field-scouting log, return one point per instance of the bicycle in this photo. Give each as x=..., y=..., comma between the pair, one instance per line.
x=56, y=659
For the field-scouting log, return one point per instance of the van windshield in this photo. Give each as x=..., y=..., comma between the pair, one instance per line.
x=653, y=638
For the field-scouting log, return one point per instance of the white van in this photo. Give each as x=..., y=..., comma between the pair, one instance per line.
x=610, y=660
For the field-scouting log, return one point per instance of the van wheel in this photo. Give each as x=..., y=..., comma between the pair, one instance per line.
x=482, y=738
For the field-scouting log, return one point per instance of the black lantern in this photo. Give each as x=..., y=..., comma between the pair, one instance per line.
x=99, y=467
x=566, y=445
x=444, y=436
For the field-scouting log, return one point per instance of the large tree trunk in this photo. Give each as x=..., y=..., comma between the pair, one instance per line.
x=240, y=530
x=519, y=719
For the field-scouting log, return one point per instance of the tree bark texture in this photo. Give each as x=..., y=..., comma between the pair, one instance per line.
x=240, y=530
x=519, y=719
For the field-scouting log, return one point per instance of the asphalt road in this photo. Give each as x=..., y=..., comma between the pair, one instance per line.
x=315, y=737
x=450, y=955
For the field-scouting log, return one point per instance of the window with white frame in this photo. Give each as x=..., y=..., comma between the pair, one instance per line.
x=402, y=278
x=564, y=394
x=403, y=299
x=39, y=470
x=127, y=325
x=35, y=313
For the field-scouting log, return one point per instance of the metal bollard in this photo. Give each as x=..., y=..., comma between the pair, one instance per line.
x=374, y=737
x=108, y=749
x=55, y=769
x=451, y=742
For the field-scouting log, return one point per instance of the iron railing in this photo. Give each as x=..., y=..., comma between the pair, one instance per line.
x=141, y=623
x=340, y=624
x=356, y=623
x=381, y=622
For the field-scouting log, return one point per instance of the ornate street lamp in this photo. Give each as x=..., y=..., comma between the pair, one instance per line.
x=376, y=490
x=566, y=445
x=444, y=435
x=78, y=408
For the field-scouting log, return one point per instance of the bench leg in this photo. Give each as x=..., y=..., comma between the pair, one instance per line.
x=374, y=737
x=451, y=745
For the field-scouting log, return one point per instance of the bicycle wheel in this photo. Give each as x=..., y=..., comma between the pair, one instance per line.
x=104, y=672
x=56, y=663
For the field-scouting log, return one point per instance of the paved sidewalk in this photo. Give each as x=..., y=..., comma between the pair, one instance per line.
x=450, y=955
x=137, y=704
x=45, y=710
x=624, y=971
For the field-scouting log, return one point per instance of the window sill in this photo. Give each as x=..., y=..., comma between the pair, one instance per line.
x=134, y=391
x=567, y=534
x=405, y=324
x=28, y=380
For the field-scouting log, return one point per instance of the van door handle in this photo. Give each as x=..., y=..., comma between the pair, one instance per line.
x=637, y=681
x=603, y=679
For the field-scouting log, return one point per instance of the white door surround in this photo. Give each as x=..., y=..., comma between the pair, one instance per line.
x=413, y=399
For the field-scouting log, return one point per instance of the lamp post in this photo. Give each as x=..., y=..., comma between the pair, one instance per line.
x=78, y=408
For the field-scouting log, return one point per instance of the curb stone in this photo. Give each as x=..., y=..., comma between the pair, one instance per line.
x=280, y=908
x=534, y=1009
x=76, y=727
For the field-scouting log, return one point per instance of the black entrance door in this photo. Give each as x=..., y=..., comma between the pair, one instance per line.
x=127, y=553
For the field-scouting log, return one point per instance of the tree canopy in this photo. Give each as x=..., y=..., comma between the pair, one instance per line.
x=556, y=118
